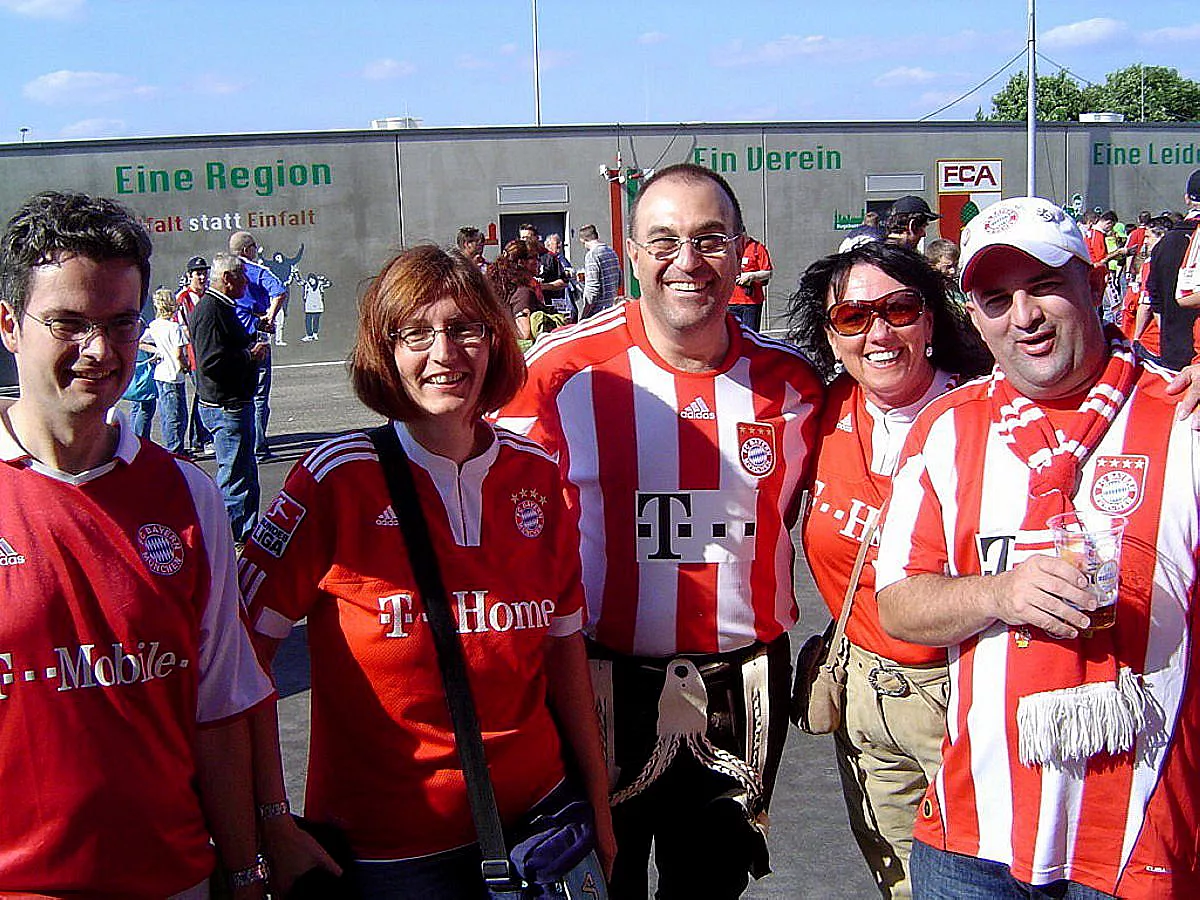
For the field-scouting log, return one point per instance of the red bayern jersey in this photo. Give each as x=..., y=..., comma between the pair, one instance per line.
x=383, y=763
x=685, y=483
x=1127, y=824
x=119, y=636
x=858, y=448
x=755, y=258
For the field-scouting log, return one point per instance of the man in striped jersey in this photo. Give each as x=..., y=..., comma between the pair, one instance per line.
x=1071, y=761
x=682, y=438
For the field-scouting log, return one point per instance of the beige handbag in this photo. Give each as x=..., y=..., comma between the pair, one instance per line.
x=819, y=690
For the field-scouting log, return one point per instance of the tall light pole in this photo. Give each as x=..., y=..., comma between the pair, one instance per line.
x=537, y=75
x=1031, y=107
x=24, y=131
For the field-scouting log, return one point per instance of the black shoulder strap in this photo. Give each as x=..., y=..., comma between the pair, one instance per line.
x=496, y=868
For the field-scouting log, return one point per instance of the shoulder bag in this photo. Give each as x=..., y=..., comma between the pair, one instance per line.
x=555, y=854
x=819, y=691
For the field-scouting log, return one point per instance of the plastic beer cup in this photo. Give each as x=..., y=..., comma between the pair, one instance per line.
x=1091, y=542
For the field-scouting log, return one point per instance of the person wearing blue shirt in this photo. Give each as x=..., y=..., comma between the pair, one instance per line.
x=256, y=310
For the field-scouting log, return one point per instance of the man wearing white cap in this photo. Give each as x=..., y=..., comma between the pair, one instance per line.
x=1072, y=759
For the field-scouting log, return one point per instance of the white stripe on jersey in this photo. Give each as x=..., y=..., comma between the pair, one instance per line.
x=334, y=453
x=250, y=578
x=656, y=429
x=792, y=447
x=990, y=772
x=579, y=434
x=1166, y=665
x=739, y=489
x=522, y=443
x=606, y=321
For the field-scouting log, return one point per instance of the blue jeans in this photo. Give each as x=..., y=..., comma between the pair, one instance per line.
x=262, y=406
x=749, y=314
x=198, y=435
x=312, y=323
x=172, y=414
x=141, y=416
x=237, y=473
x=941, y=875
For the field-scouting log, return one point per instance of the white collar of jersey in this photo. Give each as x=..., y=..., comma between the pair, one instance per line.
x=127, y=448
x=440, y=467
x=942, y=382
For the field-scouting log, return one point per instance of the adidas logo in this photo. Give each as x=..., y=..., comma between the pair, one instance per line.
x=845, y=424
x=697, y=409
x=8, y=555
x=387, y=517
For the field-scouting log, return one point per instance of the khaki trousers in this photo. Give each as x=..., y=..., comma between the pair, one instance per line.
x=889, y=748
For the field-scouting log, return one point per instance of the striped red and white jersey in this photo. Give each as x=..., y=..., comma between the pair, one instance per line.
x=1125, y=824
x=685, y=484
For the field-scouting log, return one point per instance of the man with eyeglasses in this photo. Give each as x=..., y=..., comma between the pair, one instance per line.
x=227, y=359
x=125, y=671
x=682, y=438
x=1069, y=768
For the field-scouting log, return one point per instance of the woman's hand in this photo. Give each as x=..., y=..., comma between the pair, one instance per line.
x=292, y=851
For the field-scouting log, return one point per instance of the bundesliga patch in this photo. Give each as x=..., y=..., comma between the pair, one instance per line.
x=1118, y=483
x=756, y=447
x=278, y=524
x=529, y=512
x=160, y=548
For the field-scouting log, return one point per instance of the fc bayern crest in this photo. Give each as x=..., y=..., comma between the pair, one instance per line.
x=1000, y=220
x=756, y=447
x=160, y=548
x=1119, y=483
x=529, y=512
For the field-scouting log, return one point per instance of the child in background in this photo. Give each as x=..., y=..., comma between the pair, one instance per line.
x=170, y=344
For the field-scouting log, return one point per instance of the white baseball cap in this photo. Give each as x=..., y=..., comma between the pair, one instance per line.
x=1032, y=225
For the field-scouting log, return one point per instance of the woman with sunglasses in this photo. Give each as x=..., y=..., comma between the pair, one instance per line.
x=435, y=349
x=877, y=322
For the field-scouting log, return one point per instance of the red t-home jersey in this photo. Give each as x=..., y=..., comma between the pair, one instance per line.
x=685, y=484
x=857, y=453
x=382, y=759
x=755, y=258
x=119, y=636
x=1126, y=824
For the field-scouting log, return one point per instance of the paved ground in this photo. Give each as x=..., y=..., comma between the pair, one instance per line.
x=813, y=853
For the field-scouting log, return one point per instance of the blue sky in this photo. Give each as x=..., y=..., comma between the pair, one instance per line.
x=112, y=68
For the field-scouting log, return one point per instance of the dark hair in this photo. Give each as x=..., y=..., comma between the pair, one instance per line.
x=957, y=346
x=468, y=233
x=899, y=223
x=51, y=225
x=692, y=174
x=508, y=272
x=409, y=281
x=589, y=233
x=1109, y=216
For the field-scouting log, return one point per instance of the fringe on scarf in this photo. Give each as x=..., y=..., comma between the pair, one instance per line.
x=1070, y=725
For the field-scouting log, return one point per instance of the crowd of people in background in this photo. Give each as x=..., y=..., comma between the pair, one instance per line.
x=610, y=485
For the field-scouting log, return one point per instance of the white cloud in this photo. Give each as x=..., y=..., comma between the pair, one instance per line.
x=43, y=9
x=905, y=76
x=383, y=69
x=1083, y=34
x=66, y=86
x=777, y=52
x=651, y=37
x=94, y=128
x=1178, y=35
x=218, y=85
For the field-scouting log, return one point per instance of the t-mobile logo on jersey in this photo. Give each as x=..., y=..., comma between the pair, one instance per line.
x=82, y=667
x=693, y=527
x=476, y=612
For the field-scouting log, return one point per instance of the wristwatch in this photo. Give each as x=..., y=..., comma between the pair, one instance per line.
x=255, y=874
x=273, y=810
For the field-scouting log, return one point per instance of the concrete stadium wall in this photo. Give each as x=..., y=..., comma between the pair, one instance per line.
x=336, y=204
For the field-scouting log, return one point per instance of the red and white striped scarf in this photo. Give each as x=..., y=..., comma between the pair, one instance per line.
x=1084, y=705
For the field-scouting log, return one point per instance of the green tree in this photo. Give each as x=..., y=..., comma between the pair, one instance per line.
x=1059, y=99
x=1146, y=94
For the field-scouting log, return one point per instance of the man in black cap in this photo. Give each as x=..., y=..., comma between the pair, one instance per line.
x=907, y=220
x=197, y=274
x=1177, y=315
